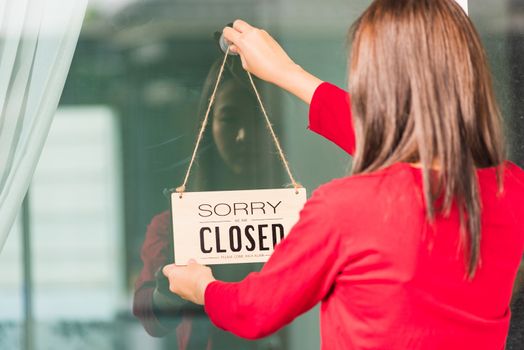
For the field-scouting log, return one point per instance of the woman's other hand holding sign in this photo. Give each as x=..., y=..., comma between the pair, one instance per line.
x=190, y=281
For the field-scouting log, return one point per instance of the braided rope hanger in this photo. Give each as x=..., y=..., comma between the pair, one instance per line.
x=181, y=189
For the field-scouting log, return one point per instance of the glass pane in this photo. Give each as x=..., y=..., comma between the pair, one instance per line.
x=76, y=211
x=137, y=91
x=11, y=288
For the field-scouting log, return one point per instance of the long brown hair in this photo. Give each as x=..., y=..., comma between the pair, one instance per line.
x=422, y=92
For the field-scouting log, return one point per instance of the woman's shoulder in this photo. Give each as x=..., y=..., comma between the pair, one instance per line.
x=398, y=173
x=512, y=176
x=513, y=184
x=514, y=171
x=395, y=181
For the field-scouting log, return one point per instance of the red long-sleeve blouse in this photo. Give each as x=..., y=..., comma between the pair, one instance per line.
x=385, y=277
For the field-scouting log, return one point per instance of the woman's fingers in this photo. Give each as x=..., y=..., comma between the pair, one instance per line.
x=190, y=281
x=242, y=26
x=232, y=38
x=231, y=35
x=166, y=270
x=261, y=55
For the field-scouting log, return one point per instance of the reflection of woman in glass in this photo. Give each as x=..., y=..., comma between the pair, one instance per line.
x=421, y=247
x=235, y=155
x=230, y=158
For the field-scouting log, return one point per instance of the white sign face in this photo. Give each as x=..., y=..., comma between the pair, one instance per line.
x=228, y=227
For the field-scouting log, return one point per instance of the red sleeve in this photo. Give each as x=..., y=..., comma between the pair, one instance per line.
x=155, y=253
x=297, y=276
x=330, y=116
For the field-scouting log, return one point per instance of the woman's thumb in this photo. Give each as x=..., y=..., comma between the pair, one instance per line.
x=166, y=269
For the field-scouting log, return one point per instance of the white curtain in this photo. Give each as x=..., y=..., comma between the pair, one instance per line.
x=37, y=41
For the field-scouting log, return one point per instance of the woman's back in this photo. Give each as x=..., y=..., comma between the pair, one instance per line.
x=404, y=284
x=387, y=278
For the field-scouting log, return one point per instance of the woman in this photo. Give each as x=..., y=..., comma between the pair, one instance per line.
x=418, y=249
x=229, y=159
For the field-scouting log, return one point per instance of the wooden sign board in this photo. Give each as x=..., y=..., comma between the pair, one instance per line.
x=231, y=227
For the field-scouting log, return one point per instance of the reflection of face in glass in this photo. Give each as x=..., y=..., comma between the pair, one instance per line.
x=234, y=124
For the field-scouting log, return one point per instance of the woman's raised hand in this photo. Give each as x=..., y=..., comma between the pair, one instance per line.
x=261, y=55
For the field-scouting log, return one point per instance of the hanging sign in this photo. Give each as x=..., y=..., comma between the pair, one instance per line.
x=231, y=227
x=226, y=227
